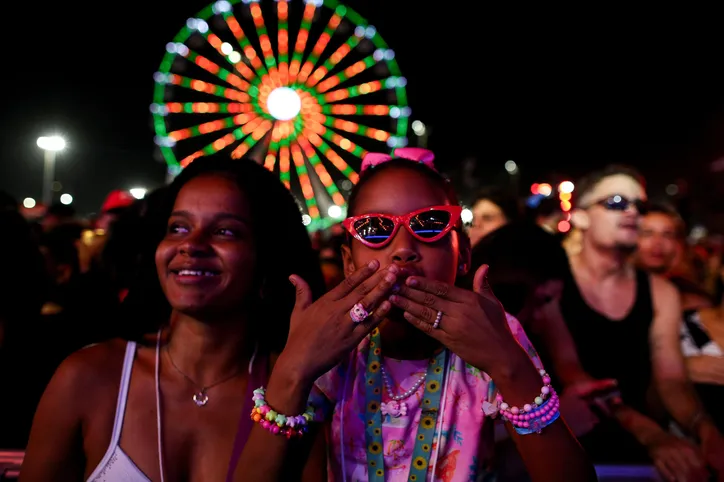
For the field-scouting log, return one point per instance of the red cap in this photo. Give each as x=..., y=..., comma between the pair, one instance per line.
x=117, y=199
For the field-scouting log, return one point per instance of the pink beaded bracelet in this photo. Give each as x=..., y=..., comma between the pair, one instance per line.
x=278, y=424
x=544, y=393
x=544, y=410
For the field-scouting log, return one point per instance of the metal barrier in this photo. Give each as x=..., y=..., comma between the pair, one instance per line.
x=10, y=462
x=627, y=473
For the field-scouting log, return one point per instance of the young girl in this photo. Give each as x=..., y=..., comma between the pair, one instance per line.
x=412, y=399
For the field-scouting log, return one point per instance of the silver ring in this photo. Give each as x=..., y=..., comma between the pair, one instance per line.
x=437, y=320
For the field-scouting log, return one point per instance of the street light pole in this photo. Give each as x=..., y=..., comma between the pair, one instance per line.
x=50, y=145
x=48, y=177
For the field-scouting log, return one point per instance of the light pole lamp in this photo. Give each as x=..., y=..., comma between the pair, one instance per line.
x=50, y=145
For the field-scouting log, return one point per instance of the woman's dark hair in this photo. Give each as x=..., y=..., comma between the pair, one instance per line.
x=392, y=164
x=282, y=243
x=521, y=256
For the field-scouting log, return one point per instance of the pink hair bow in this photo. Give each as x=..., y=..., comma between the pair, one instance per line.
x=415, y=154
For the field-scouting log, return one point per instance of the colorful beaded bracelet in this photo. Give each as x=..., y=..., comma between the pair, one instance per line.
x=278, y=424
x=533, y=417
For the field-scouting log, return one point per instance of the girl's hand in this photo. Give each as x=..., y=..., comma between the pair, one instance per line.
x=322, y=333
x=473, y=323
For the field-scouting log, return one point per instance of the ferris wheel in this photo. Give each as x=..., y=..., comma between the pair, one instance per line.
x=304, y=87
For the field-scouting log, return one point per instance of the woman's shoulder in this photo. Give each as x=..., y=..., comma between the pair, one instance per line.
x=93, y=368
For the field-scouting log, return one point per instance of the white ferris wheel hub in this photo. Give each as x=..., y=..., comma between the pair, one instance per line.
x=284, y=103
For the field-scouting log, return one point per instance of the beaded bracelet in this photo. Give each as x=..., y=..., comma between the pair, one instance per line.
x=533, y=418
x=278, y=424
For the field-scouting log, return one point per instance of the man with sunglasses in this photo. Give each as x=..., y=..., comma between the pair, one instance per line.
x=625, y=324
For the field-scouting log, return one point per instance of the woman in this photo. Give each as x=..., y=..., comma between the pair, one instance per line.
x=492, y=208
x=220, y=304
x=412, y=399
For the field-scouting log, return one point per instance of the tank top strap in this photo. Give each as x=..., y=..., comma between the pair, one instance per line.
x=258, y=376
x=123, y=392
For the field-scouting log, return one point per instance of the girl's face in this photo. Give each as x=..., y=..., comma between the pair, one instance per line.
x=206, y=261
x=399, y=191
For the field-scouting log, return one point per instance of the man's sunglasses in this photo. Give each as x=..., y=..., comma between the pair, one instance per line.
x=427, y=225
x=620, y=203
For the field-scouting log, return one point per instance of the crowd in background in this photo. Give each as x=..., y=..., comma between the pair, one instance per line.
x=68, y=277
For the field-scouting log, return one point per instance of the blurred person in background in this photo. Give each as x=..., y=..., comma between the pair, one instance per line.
x=8, y=202
x=127, y=240
x=57, y=215
x=625, y=323
x=80, y=303
x=26, y=347
x=662, y=249
x=546, y=214
x=116, y=203
x=527, y=269
x=492, y=209
x=330, y=256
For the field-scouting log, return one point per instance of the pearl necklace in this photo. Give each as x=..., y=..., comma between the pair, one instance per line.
x=397, y=407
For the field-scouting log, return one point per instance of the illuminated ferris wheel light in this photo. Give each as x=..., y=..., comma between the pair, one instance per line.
x=284, y=103
x=307, y=86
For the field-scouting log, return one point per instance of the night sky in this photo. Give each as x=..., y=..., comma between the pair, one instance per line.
x=558, y=91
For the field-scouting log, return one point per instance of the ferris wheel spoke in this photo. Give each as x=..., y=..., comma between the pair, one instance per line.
x=284, y=167
x=212, y=126
x=359, y=109
x=270, y=159
x=263, y=35
x=254, y=131
x=213, y=147
x=304, y=181
x=208, y=107
x=341, y=52
x=208, y=88
x=283, y=40
x=339, y=139
x=355, y=128
x=355, y=91
x=246, y=46
x=354, y=69
x=321, y=45
x=316, y=162
x=301, y=44
x=218, y=71
x=325, y=148
x=232, y=56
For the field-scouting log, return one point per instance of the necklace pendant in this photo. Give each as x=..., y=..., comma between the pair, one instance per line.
x=200, y=398
x=394, y=409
